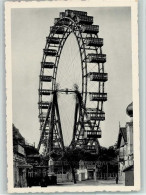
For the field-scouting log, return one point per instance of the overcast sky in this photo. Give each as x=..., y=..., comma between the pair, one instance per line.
x=30, y=27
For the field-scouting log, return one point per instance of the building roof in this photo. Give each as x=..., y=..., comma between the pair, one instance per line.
x=129, y=110
x=128, y=168
x=17, y=137
x=122, y=134
x=31, y=150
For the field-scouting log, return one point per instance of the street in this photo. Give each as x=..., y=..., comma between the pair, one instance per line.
x=93, y=183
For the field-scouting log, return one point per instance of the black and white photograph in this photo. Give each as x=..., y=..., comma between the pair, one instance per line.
x=72, y=96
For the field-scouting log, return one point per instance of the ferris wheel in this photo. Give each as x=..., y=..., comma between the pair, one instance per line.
x=86, y=130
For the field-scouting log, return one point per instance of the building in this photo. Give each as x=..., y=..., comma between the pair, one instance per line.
x=82, y=172
x=25, y=157
x=32, y=155
x=19, y=159
x=125, y=148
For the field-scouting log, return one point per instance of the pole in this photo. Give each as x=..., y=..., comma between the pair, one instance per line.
x=62, y=172
x=95, y=172
x=107, y=172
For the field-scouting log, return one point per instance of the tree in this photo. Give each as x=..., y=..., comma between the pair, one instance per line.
x=74, y=155
x=110, y=156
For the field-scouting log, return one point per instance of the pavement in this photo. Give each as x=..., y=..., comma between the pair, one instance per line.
x=93, y=183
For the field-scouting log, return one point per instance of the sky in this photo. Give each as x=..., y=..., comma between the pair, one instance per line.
x=29, y=29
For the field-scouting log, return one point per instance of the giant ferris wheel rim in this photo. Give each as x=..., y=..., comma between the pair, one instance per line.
x=74, y=28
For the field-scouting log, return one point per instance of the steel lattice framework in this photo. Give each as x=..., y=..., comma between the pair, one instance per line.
x=86, y=120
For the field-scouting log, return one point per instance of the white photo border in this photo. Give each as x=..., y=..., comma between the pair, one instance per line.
x=135, y=85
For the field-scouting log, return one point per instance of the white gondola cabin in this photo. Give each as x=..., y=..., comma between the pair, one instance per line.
x=91, y=41
x=90, y=148
x=96, y=58
x=60, y=22
x=44, y=92
x=49, y=65
x=57, y=30
x=50, y=52
x=91, y=29
x=43, y=105
x=45, y=78
x=96, y=76
x=98, y=96
x=93, y=134
x=72, y=13
x=53, y=40
x=84, y=19
x=96, y=115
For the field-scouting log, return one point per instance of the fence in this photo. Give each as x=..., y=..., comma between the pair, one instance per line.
x=106, y=175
